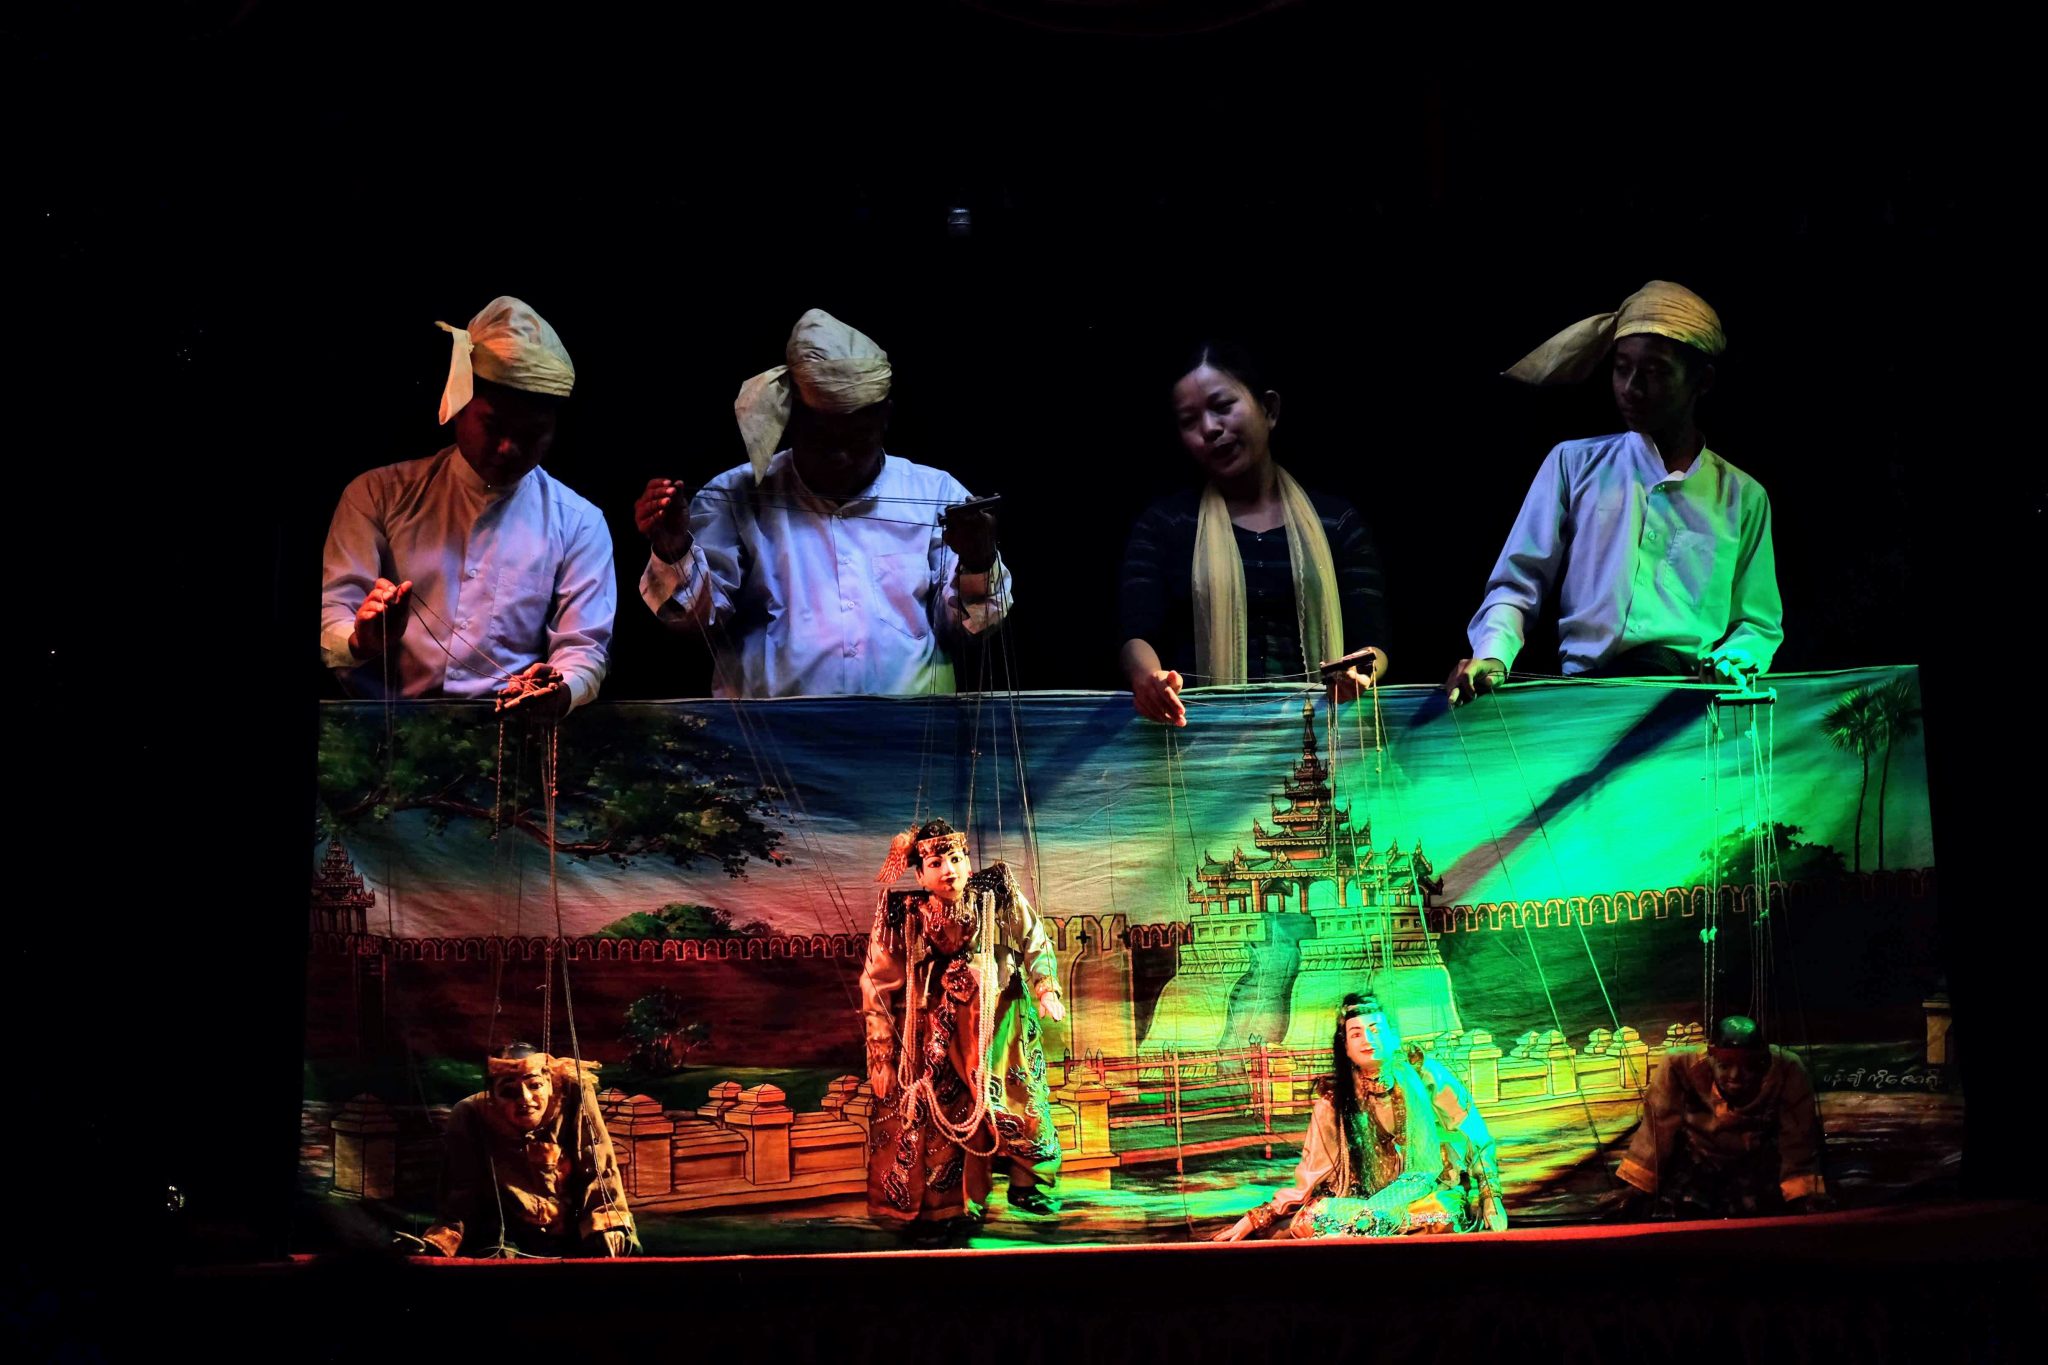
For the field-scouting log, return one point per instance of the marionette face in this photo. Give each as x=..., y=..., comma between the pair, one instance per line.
x=1359, y=1046
x=1739, y=1072
x=1223, y=424
x=944, y=874
x=522, y=1101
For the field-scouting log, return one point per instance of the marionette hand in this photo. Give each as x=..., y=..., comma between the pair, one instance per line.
x=1472, y=677
x=1155, y=695
x=1050, y=1005
x=1623, y=1204
x=663, y=515
x=1811, y=1203
x=881, y=1071
x=1730, y=664
x=538, y=692
x=1236, y=1232
x=381, y=618
x=971, y=534
x=614, y=1243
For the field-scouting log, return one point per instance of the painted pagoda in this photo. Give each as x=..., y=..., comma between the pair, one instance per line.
x=1279, y=935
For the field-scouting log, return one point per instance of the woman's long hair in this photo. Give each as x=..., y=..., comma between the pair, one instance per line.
x=1417, y=1141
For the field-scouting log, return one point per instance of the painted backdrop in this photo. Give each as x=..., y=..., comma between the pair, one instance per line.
x=1546, y=889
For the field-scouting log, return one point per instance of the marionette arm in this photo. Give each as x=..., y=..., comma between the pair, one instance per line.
x=1321, y=1153
x=1026, y=932
x=881, y=978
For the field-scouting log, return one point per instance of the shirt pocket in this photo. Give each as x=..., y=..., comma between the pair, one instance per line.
x=1695, y=572
x=902, y=587
x=519, y=615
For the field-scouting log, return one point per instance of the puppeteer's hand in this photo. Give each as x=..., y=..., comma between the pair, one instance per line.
x=1472, y=677
x=1051, y=1006
x=381, y=618
x=1730, y=664
x=971, y=534
x=538, y=692
x=1155, y=695
x=1353, y=682
x=663, y=515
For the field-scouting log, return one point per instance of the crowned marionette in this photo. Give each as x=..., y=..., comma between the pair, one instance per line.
x=959, y=973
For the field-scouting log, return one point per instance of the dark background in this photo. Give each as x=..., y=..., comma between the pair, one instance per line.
x=233, y=225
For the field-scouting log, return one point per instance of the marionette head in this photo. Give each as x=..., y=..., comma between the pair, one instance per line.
x=1739, y=1056
x=936, y=854
x=939, y=860
x=1365, y=1041
x=522, y=1085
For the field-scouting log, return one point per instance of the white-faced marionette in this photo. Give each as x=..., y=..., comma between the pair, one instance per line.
x=959, y=978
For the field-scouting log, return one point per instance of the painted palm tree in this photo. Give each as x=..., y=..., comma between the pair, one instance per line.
x=1856, y=724
x=1900, y=713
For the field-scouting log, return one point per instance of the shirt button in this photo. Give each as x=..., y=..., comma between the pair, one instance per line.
x=470, y=574
x=464, y=623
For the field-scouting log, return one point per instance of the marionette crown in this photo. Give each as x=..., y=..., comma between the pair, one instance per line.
x=524, y=1059
x=1357, y=1006
x=941, y=843
x=933, y=836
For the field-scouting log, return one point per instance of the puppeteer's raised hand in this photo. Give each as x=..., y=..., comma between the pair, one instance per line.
x=1472, y=677
x=381, y=619
x=1050, y=1005
x=663, y=515
x=971, y=534
x=1354, y=682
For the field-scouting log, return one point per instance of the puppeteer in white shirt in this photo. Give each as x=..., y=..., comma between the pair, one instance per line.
x=825, y=565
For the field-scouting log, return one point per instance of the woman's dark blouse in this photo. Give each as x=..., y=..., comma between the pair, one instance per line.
x=1157, y=602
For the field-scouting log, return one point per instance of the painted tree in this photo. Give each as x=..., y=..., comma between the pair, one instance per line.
x=634, y=781
x=681, y=920
x=1856, y=724
x=1900, y=710
x=661, y=1033
x=1733, y=860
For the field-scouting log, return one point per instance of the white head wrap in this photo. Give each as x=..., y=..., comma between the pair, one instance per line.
x=510, y=344
x=1659, y=308
x=834, y=366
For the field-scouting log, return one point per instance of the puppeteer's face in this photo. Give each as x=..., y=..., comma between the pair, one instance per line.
x=523, y=1100
x=505, y=433
x=945, y=874
x=1223, y=425
x=1654, y=385
x=1358, y=1047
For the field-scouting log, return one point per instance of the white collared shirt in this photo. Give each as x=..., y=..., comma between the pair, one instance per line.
x=799, y=596
x=501, y=577
x=1640, y=556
